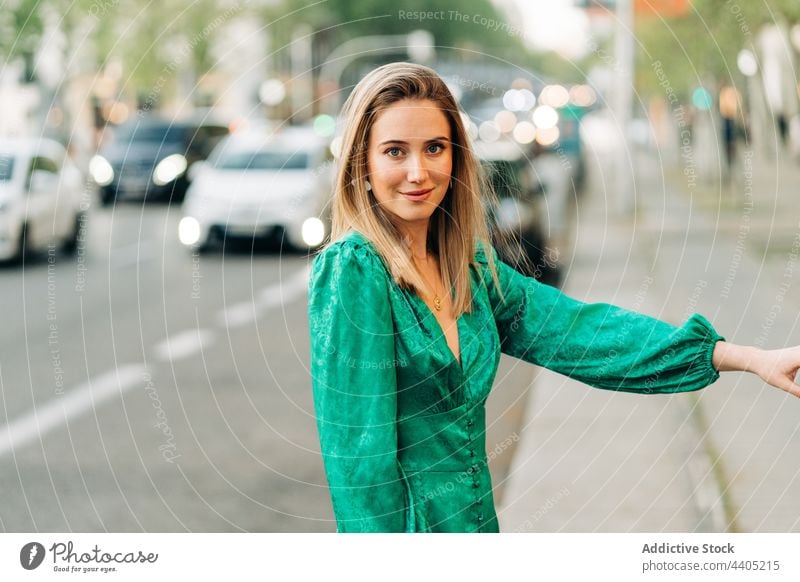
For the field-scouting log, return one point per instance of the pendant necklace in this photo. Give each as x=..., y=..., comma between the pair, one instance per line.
x=437, y=301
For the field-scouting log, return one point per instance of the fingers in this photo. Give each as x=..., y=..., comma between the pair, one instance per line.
x=787, y=384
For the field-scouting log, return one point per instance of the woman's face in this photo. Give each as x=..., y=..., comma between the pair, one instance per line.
x=410, y=160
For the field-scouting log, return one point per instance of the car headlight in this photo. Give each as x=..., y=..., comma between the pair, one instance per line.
x=189, y=230
x=313, y=231
x=168, y=169
x=101, y=171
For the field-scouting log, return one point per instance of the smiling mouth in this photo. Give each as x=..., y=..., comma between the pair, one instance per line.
x=417, y=194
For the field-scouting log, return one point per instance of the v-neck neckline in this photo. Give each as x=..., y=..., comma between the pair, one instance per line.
x=441, y=337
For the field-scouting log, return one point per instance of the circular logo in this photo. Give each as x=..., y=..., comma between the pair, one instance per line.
x=31, y=555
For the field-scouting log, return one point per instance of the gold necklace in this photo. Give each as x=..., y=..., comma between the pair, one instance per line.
x=437, y=301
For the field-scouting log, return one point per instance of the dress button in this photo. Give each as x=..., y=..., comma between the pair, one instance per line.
x=475, y=484
x=480, y=518
x=472, y=453
x=470, y=422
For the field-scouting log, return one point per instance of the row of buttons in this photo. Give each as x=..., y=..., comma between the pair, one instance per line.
x=474, y=470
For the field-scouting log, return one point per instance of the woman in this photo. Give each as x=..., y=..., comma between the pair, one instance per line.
x=410, y=308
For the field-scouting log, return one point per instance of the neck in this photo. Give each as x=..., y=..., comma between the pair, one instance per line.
x=416, y=236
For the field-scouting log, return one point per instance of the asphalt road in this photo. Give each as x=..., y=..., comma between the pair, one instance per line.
x=145, y=388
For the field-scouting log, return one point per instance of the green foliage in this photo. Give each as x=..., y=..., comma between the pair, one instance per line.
x=452, y=24
x=158, y=42
x=20, y=28
x=704, y=44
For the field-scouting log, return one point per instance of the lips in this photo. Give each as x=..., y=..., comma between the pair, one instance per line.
x=417, y=195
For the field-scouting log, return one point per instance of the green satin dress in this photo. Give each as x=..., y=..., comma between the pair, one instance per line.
x=402, y=424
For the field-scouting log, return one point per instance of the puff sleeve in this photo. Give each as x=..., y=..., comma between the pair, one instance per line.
x=599, y=344
x=354, y=388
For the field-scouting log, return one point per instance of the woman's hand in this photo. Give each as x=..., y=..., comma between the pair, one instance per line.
x=776, y=367
x=779, y=368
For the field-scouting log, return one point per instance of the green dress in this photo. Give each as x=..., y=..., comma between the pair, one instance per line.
x=402, y=423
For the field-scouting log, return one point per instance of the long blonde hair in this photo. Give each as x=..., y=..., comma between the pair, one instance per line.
x=456, y=227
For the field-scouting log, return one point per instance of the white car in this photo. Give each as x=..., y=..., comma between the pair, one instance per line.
x=261, y=184
x=40, y=197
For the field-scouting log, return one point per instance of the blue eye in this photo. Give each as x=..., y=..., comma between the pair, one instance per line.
x=395, y=155
x=437, y=146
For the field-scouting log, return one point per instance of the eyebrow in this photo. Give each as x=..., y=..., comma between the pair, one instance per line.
x=440, y=138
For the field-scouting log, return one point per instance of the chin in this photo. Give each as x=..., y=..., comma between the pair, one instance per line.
x=402, y=212
x=414, y=216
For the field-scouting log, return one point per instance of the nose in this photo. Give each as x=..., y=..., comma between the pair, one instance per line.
x=417, y=171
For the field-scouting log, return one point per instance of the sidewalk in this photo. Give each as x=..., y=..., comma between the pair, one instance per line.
x=721, y=459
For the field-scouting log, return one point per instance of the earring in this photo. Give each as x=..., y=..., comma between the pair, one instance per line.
x=368, y=185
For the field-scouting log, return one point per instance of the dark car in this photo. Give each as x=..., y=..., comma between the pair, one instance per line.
x=149, y=157
x=517, y=220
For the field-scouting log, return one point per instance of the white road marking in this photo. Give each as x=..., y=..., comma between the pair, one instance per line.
x=272, y=296
x=78, y=400
x=183, y=344
x=238, y=314
x=285, y=291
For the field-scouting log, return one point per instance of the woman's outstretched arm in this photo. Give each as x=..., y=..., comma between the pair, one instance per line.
x=599, y=344
x=776, y=367
x=616, y=349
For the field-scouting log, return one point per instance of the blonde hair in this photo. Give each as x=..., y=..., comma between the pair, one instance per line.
x=456, y=227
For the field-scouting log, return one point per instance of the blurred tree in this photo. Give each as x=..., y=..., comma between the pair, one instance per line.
x=553, y=66
x=464, y=31
x=21, y=28
x=162, y=47
x=474, y=25
x=705, y=43
x=152, y=44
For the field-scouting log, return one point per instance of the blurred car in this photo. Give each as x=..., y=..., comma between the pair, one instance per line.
x=261, y=184
x=40, y=197
x=560, y=135
x=149, y=157
x=569, y=145
x=518, y=221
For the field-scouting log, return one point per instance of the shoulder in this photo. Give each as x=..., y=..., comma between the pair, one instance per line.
x=352, y=256
x=481, y=263
x=352, y=244
x=480, y=255
x=349, y=285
